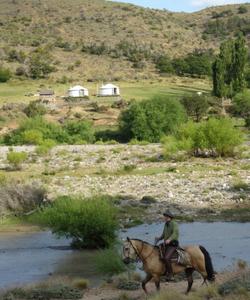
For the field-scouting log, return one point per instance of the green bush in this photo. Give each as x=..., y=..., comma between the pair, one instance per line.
x=5, y=74
x=36, y=130
x=90, y=222
x=109, y=262
x=241, y=105
x=34, y=109
x=45, y=147
x=32, y=137
x=48, y=131
x=16, y=159
x=149, y=120
x=40, y=63
x=217, y=136
x=79, y=131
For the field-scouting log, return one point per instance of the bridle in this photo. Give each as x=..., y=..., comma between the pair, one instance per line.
x=138, y=253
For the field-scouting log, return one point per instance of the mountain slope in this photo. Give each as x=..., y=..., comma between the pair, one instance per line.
x=68, y=27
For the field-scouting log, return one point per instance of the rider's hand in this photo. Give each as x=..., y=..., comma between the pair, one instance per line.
x=167, y=242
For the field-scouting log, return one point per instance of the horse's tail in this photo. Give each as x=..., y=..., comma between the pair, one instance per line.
x=208, y=265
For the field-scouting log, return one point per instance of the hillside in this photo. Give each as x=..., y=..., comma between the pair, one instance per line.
x=102, y=40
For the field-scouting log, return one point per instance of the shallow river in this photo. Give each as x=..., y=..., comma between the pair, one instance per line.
x=31, y=257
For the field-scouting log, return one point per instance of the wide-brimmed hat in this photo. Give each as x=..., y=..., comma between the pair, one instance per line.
x=168, y=213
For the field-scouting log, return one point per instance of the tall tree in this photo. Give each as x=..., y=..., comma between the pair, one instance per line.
x=239, y=63
x=229, y=67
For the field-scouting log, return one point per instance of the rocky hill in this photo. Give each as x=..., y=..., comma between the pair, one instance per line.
x=104, y=40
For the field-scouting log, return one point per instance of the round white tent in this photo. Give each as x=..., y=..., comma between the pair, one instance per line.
x=78, y=91
x=109, y=90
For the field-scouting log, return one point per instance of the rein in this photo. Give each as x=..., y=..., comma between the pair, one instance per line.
x=139, y=253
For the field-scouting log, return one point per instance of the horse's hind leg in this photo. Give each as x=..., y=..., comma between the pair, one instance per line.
x=189, y=274
x=157, y=282
x=145, y=281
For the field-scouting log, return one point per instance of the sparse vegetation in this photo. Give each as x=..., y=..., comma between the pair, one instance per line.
x=44, y=292
x=17, y=198
x=16, y=159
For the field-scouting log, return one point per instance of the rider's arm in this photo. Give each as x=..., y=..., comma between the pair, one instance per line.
x=158, y=238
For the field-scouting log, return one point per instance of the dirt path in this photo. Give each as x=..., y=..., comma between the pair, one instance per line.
x=111, y=293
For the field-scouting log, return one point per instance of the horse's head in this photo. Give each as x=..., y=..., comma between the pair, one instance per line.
x=129, y=253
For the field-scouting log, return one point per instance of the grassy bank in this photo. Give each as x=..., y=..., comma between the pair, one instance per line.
x=18, y=91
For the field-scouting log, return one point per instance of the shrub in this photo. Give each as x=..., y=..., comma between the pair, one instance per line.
x=233, y=286
x=79, y=131
x=5, y=74
x=91, y=222
x=47, y=129
x=241, y=105
x=150, y=119
x=16, y=159
x=50, y=292
x=196, y=106
x=32, y=137
x=45, y=147
x=3, y=178
x=34, y=109
x=242, y=9
x=164, y=64
x=81, y=283
x=216, y=136
x=20, y=71
x=40, y=63
x=20, y=198
x=108, y=261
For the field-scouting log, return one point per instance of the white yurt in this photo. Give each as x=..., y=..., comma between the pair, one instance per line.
x=78, y=91
x=109, y=90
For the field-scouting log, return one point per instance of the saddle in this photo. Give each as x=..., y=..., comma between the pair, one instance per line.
x=180, y=256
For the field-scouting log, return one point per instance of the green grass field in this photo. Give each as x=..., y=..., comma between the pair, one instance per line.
x=17, y=91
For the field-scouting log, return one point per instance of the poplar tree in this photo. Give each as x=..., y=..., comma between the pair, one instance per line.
x=228, y=68
x=239, y=63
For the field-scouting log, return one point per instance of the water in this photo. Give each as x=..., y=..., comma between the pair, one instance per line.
x=30, y=257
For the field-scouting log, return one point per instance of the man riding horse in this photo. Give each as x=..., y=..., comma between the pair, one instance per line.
x=170, y=235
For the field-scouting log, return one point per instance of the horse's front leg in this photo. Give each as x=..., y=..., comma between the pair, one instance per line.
x=145, y=281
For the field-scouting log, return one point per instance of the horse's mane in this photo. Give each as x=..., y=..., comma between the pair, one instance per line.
x=144, y=242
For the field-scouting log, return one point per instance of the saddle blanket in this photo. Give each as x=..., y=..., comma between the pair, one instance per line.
x=180, y=256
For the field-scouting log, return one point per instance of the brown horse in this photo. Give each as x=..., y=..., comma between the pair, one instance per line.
x=198, y=260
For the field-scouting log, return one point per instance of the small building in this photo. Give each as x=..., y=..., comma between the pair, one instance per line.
x=78, y=91
x=47, y=95
x=108, y=90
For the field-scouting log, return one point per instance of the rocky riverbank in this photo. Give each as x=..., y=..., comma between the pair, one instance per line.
x=143, y=183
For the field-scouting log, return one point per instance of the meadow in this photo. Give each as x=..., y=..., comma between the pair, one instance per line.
x=16, y=91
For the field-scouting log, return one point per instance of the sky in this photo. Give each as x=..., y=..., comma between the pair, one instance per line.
x=181, y=5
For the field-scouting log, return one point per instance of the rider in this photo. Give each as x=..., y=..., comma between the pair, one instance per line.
x=170, y=235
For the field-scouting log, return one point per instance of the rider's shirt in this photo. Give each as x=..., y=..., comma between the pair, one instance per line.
x=170, y=231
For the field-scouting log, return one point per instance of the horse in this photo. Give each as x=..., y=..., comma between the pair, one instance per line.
x=198, y=259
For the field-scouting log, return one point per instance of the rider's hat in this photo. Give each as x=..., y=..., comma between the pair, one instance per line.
x=168, y=213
